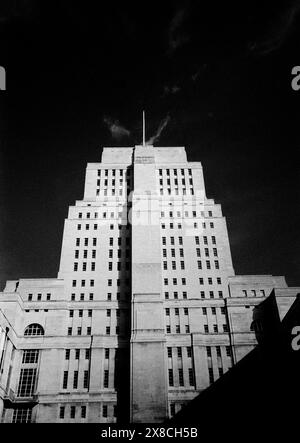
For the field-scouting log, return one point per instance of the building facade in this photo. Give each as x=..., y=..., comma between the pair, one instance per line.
x=146, y=311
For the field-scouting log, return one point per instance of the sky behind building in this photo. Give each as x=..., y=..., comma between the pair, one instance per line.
x=216, y=80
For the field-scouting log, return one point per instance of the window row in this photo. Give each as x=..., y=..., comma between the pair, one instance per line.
x=181, y=381
x=215, y=329
x=173, y=266
x=81, y=411
x=178, y=351
x=80, y=331
x=174, y=281
x=176, y=311
x=83, y=283
x=84, y=382
x=86, y=241
x=85, y=253
x=184, y=294
x=113, y=172
x=80, y=312
x=177, y=191
x=254, y=292
x=73, y=411
x=86, y=352
x=175, y=172
x=83, y=296
x=178, y=329
x=218, y=351
x=39, y=297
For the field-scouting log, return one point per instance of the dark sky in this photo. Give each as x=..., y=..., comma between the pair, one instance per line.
x=78, y=78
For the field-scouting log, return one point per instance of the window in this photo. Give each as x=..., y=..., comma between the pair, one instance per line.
x=166, y=295
x=87, y=354
x=204, y=311
x=29, y=297
x=215, y=327
x=217, y=266
x=228, y=351
x=104, y=411
x=22, y=415
x=72, y=411
x=199, y=264
x=88, y=330
x=211, y=375
x=176, y=311
x=168, y=329
x=34, y=329
x=177, y=329
x=201, y=281
x=189, y=351
x=171, y=377
x=67, y=354
x=48, y=297
x=86, y=379
x=208, y=351
x=180, y=374
x=218, y=349
x=83, y=411
x=30, y=356
x=220, y=294
x=225, y=328
x=69, y=331
x=167, y=311
x=77, y=354
x=191, y=377
x=184, y=295
x=169, y=350
x=91, y=297
x=106, y=378
x=211, y=294
x=206, y=329
x=62, y=412
x=107, y=330
x=210, y=281
x=187, y=329
x=90, y=313
x=106, y=353
x=75, y=380
x=80, y=312
x=27, y=382
x=108, y=312
x=79, y=329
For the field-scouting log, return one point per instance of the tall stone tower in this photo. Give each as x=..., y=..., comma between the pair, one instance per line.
x=146, y=311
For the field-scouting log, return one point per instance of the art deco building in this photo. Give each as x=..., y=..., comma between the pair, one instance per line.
x=146, y=311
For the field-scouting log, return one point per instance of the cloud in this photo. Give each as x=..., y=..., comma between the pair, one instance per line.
x=278, y=32
x=170, y=90
x=117, y=131
x=160, y=129
x=175, y=36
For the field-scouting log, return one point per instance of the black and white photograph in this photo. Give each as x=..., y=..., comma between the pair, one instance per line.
x=149, y=219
